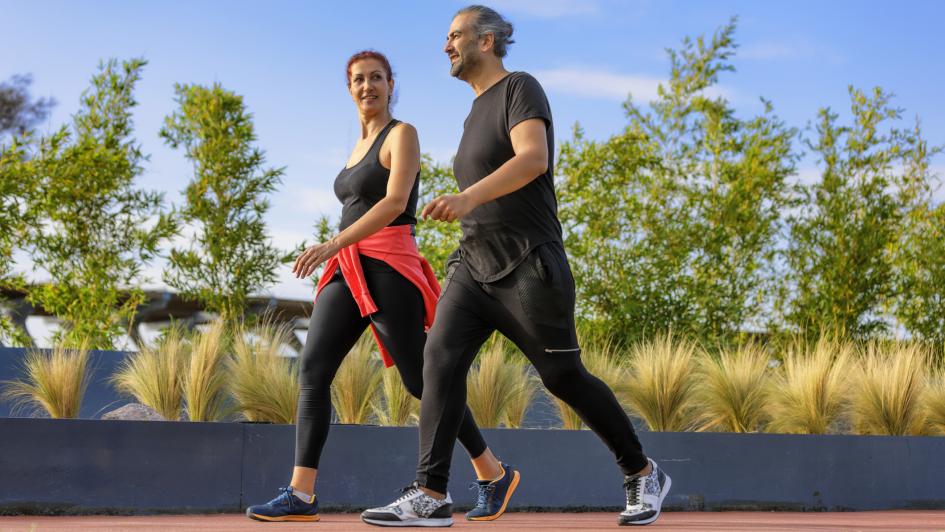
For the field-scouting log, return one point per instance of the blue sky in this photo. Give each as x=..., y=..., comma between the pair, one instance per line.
x=287, y=59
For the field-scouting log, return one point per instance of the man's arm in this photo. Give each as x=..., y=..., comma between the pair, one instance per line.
x=530, y=144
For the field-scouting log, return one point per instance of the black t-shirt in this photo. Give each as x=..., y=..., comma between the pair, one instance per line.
x=499, y=234
x=363, y=185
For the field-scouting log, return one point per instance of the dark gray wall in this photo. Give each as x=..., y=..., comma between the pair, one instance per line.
x=77, y=466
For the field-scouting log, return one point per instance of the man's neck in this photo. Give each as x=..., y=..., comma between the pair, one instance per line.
x=488, y=75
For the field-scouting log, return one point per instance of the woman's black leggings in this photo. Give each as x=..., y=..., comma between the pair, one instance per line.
x=335, y=327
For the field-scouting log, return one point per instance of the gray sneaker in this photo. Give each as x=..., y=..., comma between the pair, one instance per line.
x=413, y=508
x=645, y=494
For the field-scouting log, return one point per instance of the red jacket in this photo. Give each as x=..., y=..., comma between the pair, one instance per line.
x=397, y=247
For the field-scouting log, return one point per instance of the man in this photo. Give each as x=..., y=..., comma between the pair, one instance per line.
x=511, y=275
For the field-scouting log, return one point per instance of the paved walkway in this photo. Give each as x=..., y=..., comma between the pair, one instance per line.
x=546, y=522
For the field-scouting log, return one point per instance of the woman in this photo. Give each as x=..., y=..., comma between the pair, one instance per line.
x=375, y=249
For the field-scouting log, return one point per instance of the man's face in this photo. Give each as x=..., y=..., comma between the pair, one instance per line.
x=462, y=46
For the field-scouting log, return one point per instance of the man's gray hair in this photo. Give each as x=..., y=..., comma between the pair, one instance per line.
x=489, y=21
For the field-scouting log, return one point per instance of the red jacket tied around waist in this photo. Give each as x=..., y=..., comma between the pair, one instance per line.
x=397, y=247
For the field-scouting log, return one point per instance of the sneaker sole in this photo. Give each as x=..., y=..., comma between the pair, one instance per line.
x=669, y=484
x=296, y=518
x=445, y=522
x=508, y=496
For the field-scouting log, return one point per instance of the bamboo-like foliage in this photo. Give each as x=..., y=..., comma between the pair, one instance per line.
x=661, y=383
x=52, y=382
x=263, y=382
x=356, y=383
x=891, y=383
x=809, y=393
x=490, y=385
x=394, y=405
x=155, y=376
x=205, y=381
x=730, y=395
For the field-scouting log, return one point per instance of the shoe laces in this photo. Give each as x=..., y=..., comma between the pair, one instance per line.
x=634, y=488
x=284, y=493
x=407, y=493
x=485, y=493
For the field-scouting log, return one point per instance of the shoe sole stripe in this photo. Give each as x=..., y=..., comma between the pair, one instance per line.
x=297, y=518
x=445, y=522
x=508, y=496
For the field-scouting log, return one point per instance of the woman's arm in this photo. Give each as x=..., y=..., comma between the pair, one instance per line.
x=404, y=165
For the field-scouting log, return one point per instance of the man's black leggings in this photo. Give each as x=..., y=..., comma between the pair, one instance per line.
x=534, y=308
x=335, y=327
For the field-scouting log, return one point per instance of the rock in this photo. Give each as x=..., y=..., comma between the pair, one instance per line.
x=134, y=412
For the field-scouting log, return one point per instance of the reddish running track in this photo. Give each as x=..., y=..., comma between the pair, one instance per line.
x=546, y=522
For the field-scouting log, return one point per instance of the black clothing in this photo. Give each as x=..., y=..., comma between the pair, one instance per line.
x=360, y=187
x=533, y=306
x=497, y=235
x=336, y=325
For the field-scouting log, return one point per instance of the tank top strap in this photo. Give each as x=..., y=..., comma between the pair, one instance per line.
x=379, y=141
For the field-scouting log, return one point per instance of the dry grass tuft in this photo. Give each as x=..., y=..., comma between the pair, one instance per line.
x=491, y=384
x=356, y=383
x=263, y=382
x=809, y=393
x=155, y=376
x=890, y=389
x=730, y=396
x=395, y=406
x=661, y=383
x=53, y=382
x=205, y=380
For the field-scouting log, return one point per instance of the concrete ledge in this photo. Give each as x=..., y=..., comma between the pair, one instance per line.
x=93, y=466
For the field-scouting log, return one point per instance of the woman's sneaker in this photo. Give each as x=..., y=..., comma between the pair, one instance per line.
x=645, y=494
x=413, y=508
x=494, y=495
x=288, y=506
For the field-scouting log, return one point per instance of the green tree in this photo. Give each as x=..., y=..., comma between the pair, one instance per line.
x=14, y=221
x=436, y=240
x=19, y=113
x=673, y=223
x=843, y=242
x=920, y=250
x=94, y=230
x=230, y=255
x=920, y=305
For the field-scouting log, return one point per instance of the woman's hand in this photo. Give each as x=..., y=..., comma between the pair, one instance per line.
x=306, y=263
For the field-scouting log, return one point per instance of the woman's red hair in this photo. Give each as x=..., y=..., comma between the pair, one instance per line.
x=369, y=54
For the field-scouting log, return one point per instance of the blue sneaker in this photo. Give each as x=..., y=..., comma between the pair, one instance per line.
x=494, y=495
x=288, y=506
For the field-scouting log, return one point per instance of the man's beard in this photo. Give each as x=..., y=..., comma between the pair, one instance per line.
x=462, y=66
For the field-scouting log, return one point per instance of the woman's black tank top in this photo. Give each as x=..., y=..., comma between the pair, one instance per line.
x=360, y=187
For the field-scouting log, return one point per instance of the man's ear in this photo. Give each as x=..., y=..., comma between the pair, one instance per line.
x=486, y=42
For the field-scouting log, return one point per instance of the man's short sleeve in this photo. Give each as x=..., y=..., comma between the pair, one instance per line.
x=527, y=100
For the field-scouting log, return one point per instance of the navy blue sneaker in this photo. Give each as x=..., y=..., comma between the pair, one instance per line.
x=288, y=506
x=494, y=495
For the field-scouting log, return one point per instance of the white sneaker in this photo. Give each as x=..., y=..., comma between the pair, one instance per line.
x=413, y=508
x=645, y=494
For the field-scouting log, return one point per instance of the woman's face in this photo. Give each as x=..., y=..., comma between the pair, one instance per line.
x=370, y=89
